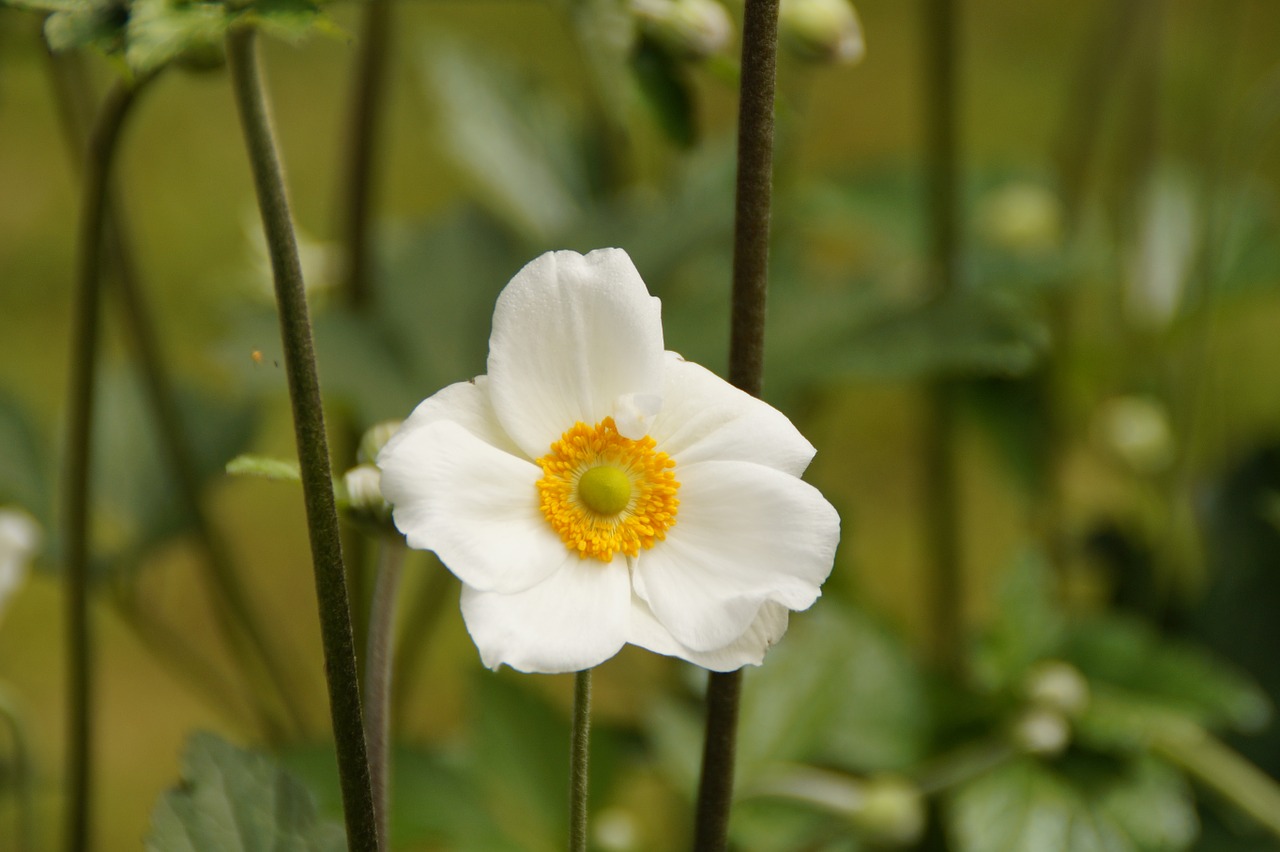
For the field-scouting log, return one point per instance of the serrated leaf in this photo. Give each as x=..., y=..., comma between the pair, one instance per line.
x=1079, y=807
x=160, y=31
x=232, y=800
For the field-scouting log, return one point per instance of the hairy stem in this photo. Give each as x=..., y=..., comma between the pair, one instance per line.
x=99, y=156
x=377, y=672
x=579, y=761
x=746, y=367
x=313, y=452
x=941, y=516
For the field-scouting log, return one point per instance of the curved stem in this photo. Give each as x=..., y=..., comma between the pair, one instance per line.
x=313, y=452
x=579, y=760
x=239, y=626
x=746, y=366
x=379, y=656
x=84, y=352
x=941, y=515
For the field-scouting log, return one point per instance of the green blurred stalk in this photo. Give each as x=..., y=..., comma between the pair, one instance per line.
x=313, y=452
x=754, y=195
x=99, y=156
x=377, y=674
x=21, y=783
x=579, y=761
x=945, y=588
x=240, y=627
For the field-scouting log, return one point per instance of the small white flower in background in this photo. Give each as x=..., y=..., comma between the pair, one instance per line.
x=594, y=490
x=1136, y=430
x=19, y=543
x=821, y=31
x=692, y=29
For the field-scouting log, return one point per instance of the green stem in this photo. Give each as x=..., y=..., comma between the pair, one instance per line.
x=24, y=830
x=1222, y=769
x=425, y=608
x=941, y=516
x=754, y=194
x=378, y=670
x=100, y=153
x=313, y=453
x=579, y=760
x=239, y=626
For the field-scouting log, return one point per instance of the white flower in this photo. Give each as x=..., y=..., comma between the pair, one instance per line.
x=593, y=489
x=19, y=542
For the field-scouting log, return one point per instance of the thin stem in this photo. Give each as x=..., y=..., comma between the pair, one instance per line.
x=239, y=626
x=754, y=195
x=579, y=759
x=941, y=515
x=368, y=98
x=84, y=352
x=24, y=829
x=379, y=655
x=424, y=611
x=313, y=452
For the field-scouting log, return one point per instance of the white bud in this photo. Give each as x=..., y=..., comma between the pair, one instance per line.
x=1055, y=685
x=615, y=830
x=1137, y=430
x=364, y=492
x=691, y=29
x=826, y=31
x=1022, y=217
x=375, y=438
x=1041, y=732
x=892, y=810
x=19, y=543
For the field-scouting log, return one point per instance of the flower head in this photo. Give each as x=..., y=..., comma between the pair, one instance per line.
x=594, y=490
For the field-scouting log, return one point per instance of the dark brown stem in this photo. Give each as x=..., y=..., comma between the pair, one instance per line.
x=313, y=451
x=746, y=367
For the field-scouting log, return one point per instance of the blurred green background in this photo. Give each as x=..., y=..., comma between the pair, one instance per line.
x=1114, y=342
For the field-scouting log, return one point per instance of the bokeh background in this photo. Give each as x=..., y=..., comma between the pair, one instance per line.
x=1113, y=342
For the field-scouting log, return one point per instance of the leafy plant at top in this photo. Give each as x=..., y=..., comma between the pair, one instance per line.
x=147, y=35
x=232, y=800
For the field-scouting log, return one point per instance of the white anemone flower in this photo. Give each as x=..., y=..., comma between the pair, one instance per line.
x=594, y=490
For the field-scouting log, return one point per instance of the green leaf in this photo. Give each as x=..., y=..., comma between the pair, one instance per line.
x=25, y=473
x=513, y=143
x=1148, y=677
x=666, y=92
x=160, y=31
x=290, y=20
x=232, y=800
x=279, y=470
x=97, y=24
x=1080, y=805
x=1029, y=625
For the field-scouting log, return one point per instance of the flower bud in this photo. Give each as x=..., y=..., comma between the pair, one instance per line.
x=823, y=31
x=1137, y=430
x=892, y=810
x=1058, y=686
x=19, y=543
x=374, y=439
x=691, y=29
x=1022, y=217
x=364, y=493
x=615, y=830
x=1041, y=732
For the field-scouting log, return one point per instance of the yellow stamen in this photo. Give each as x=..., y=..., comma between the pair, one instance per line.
x=605, y=494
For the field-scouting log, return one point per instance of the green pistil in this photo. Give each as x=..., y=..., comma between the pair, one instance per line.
x=605, y=490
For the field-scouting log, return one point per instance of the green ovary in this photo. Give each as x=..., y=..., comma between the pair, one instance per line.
x=605, y=490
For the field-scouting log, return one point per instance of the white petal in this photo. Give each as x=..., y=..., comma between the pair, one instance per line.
x=473, y=504
x=747, y=650
x=464, y=403
x=575, y=619
x=571, y=334
x=704, y=418
x=745, y=534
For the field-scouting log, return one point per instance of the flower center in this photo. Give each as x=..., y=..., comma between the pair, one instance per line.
x=605, y=494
